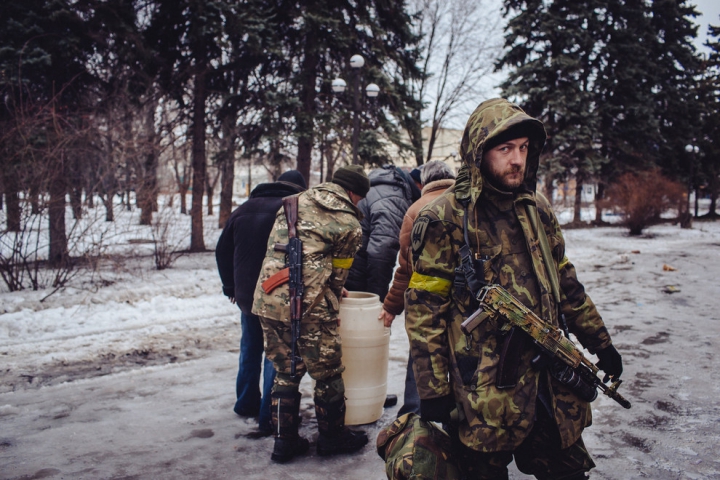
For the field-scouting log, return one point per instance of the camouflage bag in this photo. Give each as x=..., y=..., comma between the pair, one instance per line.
x=415, y=449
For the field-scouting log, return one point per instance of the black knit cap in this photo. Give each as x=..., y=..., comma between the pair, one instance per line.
x=524, y=129
x=353, y=178
x=294, y=177
x=416, y=173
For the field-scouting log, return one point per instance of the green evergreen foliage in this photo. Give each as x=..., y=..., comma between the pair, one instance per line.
x=612, y=79
x=137, y=80
x=45, y=47
x=319, y=38
x=47, y=92
x=554, y=54
x=709, y=141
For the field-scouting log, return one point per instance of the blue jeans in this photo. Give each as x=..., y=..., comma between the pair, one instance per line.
x=247, y=388
x=411, y=399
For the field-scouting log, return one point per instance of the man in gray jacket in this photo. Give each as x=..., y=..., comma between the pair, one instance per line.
x=392, y=191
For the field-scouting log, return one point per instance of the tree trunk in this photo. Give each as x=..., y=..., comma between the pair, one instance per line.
x=144, y=194
x=415, y=134
x=713, y=187
x=107, y=200
x=431, y=140
x=305, y=116
x=76, y=201
x=147, y=195
x=330, y=161
x=210, y=192
x=578, y=200
x=226, y=193
x=183, y=197
x=34, y=194
x=549, y=188
x=227, y=172
x=599, y=198
x=322, y=159
x=248, y=189
x=12, y=198
x=58, y=252
x=128, y=176
x=197, y=240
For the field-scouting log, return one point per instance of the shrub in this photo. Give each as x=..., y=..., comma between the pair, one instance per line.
x=168, y=234
x=643, y=197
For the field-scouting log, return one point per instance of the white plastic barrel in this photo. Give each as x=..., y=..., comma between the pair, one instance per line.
x=365, y=354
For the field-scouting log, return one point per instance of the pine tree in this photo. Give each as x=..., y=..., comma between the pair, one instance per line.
x=709, y=95
x=611, y=78
x=188, y=35
x=320, y=37
x=553, y=52
x=45, y=88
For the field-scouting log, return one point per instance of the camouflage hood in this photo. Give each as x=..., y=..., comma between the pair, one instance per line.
x=489, y=120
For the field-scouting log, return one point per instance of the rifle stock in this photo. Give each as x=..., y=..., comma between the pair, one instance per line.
x=498, y=303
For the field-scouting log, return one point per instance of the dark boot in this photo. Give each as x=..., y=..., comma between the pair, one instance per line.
x=286, y=421
x=334, y=436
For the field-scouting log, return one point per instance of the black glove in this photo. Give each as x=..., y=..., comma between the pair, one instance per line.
x=437, y=409
x=610, y=362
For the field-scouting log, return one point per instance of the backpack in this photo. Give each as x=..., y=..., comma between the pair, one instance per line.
x=415, y=449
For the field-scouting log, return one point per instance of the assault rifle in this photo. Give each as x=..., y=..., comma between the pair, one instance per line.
x=568, y=364
x=293, y=249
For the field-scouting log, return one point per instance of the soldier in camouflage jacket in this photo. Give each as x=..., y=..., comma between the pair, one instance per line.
x=330, y=232
x=536, y=419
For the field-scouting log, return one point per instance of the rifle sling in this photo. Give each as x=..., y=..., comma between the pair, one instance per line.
x=545, y=252
x=514, y=343
x=290, y=206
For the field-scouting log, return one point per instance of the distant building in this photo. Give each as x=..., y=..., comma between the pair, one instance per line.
x=446, y=148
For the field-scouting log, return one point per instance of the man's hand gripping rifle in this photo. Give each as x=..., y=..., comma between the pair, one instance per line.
x=293, y=249
x=569, y=365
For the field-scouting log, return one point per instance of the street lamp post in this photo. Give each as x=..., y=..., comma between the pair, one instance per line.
x=372, y=91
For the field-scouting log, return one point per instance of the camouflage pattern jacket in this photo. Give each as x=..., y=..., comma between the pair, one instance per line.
x=330, y=231
x=500, y=229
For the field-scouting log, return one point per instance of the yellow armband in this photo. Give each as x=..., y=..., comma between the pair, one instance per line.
x=430, y=284
x=345, y=263
x=563, y=263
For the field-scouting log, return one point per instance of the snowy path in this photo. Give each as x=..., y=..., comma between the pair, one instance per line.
x=137, y=379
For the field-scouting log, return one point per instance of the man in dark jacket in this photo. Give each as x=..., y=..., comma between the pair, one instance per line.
x=239, y=254
x=392, y=191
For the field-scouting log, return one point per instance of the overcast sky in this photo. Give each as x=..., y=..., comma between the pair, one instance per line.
x=710, y=10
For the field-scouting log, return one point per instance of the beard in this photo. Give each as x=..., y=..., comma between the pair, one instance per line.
x=507, y=180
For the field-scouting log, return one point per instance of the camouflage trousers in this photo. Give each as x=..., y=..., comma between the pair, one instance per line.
x=320, y=349
x=539, y=455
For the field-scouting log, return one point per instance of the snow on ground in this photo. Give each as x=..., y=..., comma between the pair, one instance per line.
x=136, y=379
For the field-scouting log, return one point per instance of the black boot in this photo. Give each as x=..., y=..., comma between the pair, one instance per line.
x=334, y=436
x=286, y=421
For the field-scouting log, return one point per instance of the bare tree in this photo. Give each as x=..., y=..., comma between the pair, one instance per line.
x=168, y=234
x=461, y=40
x=176, y=149
x=183, y=174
